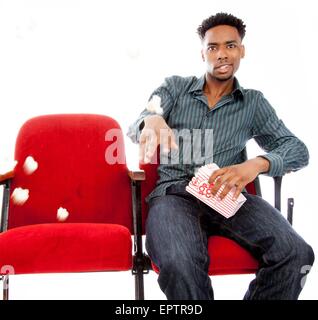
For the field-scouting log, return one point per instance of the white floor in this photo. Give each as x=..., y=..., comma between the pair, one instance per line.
x=120, y=286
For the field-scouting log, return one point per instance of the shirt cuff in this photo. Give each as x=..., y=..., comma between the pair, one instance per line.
x=276, y=166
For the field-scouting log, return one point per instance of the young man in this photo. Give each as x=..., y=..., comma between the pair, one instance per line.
x=178, y=224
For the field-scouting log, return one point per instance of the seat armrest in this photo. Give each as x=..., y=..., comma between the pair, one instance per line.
x=6, y=176
x=7, y=171
x=290, y=207
x=290, y=201
x=277, y=191
x=140, y=262
x=5, y=202
x=137, y=175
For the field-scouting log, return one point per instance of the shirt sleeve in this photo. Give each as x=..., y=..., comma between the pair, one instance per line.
x=285, y=151
x=167, y=94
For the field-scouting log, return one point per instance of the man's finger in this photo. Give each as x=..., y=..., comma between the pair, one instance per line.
x=167, y=140
x=164, y=141
x=220, y=180
x=216, y=174
x=173, y=143
x=145, y=145
x=231, y=183
x=151, y=147
x=238, y=189
x=142, y=148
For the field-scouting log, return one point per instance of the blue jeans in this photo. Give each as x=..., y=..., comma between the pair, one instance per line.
x=177, y=230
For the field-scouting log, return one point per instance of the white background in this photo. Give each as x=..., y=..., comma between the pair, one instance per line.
x=90, y=56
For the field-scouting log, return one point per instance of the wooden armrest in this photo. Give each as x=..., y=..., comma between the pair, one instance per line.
x=137, y=175
x=8, y=169
x=6, y=176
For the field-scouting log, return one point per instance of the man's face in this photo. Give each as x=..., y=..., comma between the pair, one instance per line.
x=222, y=51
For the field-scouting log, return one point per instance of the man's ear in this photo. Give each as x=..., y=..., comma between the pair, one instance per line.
x=202, y=55
x=242, y=51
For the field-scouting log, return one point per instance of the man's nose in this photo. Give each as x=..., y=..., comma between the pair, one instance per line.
x=222, y=54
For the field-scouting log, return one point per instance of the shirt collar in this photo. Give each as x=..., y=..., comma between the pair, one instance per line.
x=197, y=86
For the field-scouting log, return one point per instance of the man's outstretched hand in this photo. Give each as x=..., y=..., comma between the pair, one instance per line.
x=237, y=176
x=155, y=132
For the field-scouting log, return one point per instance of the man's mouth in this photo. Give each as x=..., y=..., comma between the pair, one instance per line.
x=223, y=68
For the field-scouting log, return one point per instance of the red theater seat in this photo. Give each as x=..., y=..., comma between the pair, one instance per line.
x=226, y=256
x=72, y=173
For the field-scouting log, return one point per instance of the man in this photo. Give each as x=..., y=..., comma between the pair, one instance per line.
x=178, y=224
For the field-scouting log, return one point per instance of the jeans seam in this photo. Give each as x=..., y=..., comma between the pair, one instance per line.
x=203, y=244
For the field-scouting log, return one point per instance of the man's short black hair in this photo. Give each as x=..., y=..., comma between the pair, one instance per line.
x=221, y=19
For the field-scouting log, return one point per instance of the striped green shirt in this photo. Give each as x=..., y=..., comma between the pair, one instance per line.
x=238, y=117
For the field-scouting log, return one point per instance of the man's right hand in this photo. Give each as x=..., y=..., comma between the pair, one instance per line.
x=155, y=132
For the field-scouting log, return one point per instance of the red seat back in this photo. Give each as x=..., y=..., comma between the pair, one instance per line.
x=72, y=171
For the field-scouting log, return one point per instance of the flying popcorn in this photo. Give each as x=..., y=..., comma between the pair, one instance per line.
x=30, y=165
x=62, y=214
x=154, y=105
x=20, y=196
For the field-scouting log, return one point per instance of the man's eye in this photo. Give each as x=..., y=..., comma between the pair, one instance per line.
x=231, y=46
x=211, y=48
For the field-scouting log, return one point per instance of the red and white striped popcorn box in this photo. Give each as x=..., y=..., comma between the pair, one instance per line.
x=201, y=189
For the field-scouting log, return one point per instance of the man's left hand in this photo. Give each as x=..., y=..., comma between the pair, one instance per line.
x=237, y=176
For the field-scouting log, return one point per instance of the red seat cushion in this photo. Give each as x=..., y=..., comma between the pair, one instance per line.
x=227, y=257
x=70, y=247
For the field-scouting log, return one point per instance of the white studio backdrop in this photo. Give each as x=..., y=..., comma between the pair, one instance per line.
x=90, y=56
